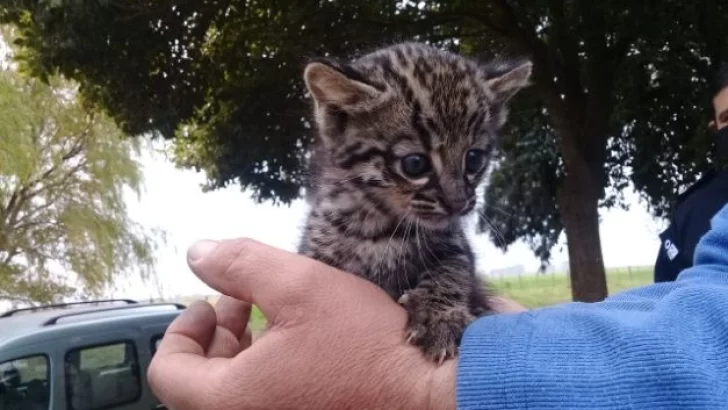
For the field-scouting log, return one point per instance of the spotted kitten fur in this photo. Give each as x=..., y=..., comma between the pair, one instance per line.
x=404, y=137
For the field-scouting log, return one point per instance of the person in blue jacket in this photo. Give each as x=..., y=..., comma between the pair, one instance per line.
x=696, y=206
x=335, y=342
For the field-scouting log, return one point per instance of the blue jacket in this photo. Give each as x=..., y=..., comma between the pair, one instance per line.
x=663, y=346
x=688, y=223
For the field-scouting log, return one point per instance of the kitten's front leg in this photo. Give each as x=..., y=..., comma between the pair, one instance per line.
x=440, y=308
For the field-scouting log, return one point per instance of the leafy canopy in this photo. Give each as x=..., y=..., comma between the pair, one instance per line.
x=64, y=173
x=619, y=94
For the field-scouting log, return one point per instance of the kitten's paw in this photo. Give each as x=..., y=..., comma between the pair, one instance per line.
x=436, y=329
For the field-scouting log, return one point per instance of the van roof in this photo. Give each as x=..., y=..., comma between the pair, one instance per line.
x=22, y=324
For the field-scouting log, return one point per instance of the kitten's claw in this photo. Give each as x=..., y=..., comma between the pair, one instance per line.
x=411, y=336
x=437, y=330
x=443, y=356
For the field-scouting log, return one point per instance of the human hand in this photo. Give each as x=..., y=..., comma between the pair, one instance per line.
x=334, y=340
x=504, y=305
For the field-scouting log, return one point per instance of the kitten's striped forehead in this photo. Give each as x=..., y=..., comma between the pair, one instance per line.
x=445, y=91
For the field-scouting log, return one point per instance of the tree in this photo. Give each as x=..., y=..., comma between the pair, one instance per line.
x=64, y=171
x=619, y=92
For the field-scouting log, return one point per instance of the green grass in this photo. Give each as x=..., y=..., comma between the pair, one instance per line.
x=545, y=290
x=101, y=357
x=257, y=320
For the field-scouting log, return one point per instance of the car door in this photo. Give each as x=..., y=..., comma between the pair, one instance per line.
x=101, y=370
x=150, y=338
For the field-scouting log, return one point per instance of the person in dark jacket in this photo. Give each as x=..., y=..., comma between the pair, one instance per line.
x=697, y=205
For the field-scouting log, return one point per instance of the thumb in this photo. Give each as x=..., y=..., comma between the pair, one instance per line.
x=256, y=273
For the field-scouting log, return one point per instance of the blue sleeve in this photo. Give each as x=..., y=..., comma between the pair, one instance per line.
x=663, y=346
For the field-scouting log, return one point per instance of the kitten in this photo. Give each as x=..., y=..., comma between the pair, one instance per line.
x=404, y=137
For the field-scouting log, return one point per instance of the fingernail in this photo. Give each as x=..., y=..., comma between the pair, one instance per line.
x=200, y=249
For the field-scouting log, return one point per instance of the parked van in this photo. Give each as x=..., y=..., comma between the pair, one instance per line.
x=81, y=356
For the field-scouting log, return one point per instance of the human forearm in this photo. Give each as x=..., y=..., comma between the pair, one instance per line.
x=661, y=346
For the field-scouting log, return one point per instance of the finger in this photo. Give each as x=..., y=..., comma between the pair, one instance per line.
x=505, y=305
x=232, y=320
x=247, y=340
x=233, y=315
x=174, y=369
x=260, y=274
x=191, y=332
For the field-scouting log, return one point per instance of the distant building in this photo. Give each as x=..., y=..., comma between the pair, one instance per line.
x=516, y=270
x=560, y=268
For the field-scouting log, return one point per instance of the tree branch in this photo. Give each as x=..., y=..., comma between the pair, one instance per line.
x=518, y=31
x=13, y=298
x=566, y=44
x=25, y=194
x=545, y=66
x=11, y=255
x=61, y=182
x=619, y=50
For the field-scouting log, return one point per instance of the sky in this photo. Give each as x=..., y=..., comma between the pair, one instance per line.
x=173, y=201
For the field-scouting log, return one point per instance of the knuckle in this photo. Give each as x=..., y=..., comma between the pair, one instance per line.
x=246, y=243
x=238, y=256
x=244, y=249
x=311, y=276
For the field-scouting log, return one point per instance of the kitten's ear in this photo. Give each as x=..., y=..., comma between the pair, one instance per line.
x=331, y=86
x=510, y=81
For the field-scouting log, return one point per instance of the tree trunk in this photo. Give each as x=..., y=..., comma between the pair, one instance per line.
x=580, y=215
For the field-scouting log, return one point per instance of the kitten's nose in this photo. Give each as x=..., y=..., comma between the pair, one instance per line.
x=455, y=195
x=457, y=204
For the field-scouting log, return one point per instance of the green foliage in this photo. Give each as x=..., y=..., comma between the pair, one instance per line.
x=224, y=77
x=64, y=171
x=624, y=95
x=619, y=91
x=521, y=198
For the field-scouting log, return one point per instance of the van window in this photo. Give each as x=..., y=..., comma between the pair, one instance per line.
x=104, y=376
x=24, y=383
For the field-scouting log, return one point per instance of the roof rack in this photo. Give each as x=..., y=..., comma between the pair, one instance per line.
x=63, y=305
x=54, y=320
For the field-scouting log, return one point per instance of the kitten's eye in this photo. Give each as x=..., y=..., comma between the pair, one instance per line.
x=474, y=160
x=415, y=165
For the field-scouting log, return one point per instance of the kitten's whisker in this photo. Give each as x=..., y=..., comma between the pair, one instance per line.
x=493, y=229
x=432, y=254
x=344, y=181
x=499, y=209
x=419, y=244
x=386, y=249
x=405, y=240
x=498, y=235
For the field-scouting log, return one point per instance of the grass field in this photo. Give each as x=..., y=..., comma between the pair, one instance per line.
x=534, y=291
